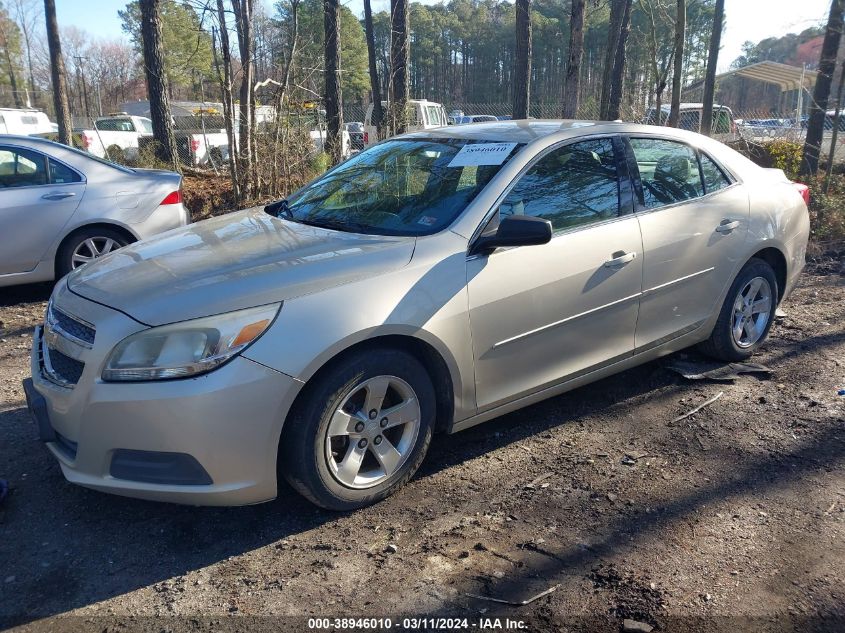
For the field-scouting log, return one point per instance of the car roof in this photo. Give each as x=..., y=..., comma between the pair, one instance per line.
x=530, y=130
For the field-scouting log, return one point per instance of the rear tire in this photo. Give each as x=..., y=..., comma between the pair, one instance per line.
x=360, y=431
x=746, y=315
x=77, y=246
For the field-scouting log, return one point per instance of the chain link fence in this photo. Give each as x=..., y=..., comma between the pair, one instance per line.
x=202, y=142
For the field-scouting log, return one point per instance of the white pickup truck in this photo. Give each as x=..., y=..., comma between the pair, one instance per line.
x=116, y=136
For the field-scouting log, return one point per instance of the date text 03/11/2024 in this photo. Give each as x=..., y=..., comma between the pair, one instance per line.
x=416, y=624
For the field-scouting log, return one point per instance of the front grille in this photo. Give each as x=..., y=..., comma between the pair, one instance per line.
x=72, y=326
x=65, y=368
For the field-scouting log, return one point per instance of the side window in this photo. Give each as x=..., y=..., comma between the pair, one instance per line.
x=690, y=120
x=21, y=168
x=668, y=171
x=714, y=178
x=146, y=126
x=574, y=185
x=59, y=174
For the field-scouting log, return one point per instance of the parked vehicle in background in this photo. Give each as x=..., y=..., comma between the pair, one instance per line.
x=422, y=115
x=116, y=136
x=475, y=118
x=25, y=122
x=356, y=135
x=61, y=208
x=724, y=127
x=200, y=140
x=430, y=283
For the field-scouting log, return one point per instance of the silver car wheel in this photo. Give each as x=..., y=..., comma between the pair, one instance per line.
x=90, y=249
x=752, y=308
x=373, y=432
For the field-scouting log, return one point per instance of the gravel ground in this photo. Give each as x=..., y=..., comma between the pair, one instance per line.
x=731, y=519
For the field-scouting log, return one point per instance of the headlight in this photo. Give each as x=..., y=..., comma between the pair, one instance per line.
x=188, y=348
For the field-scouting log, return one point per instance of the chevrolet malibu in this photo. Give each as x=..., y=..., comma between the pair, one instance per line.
x=430, y=283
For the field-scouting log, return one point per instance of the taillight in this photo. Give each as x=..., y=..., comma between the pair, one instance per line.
x=195, y=144
x=804, y=190
x=366, y=137
x=174, y=197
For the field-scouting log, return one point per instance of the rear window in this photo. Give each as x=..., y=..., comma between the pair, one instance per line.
x=115, y=125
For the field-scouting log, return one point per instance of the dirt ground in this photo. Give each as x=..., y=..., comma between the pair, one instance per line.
x=732, y=519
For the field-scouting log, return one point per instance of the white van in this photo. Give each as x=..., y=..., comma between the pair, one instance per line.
x=423, y=115
x=25, y=122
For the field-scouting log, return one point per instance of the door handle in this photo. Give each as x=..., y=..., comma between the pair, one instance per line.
x=620, y=258
x=58, y=195
x=726, y=226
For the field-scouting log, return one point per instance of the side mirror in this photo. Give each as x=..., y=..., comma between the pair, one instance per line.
x=515, y=230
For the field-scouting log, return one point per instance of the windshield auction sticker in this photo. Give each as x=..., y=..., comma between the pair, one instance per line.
x=482, y=154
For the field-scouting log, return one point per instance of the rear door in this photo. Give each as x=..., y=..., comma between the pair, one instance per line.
x=693, y=217
x=38, y=196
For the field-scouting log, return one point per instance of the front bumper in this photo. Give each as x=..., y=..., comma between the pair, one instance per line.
x=210, y=440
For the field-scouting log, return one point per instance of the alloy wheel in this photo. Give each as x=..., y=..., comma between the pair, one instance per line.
x=373, y=432
x=752, y=309
x=92, y=248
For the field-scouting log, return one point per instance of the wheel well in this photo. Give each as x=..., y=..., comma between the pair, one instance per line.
x=103, y=225
x=774, y=258
x=430, y=358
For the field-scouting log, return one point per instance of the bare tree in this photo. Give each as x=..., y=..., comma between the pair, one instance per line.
x=243, y=10
x=617, y=77
x=660, y=63
x=821, y=93
x=522, y=60
x=617, y=13
x=333, y=96
x=571, y=84
x=27, y=14
x=712, y=61
x=57, y=70
x=375, y=86
x=224, y=77
x=399, y=60
x=153, y=51
x=678, y=70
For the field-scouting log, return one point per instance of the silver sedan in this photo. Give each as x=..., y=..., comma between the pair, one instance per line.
x=430, y=283
x=61, y=208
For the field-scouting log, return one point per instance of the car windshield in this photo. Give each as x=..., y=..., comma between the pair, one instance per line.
x=400, y=187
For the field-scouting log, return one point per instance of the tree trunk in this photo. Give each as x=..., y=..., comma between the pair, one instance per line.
x=818, y=106
x=399, y=54
x=243, y=10
x=224, y=76
x=13, y=80
x=678, y=70
x=165, y=146
x=571, y=84
x=57, y=71
x=375, y=86
x=710, y=76
x=617, y=13
x=522, y=60
x=333, y=97
x=617, y=77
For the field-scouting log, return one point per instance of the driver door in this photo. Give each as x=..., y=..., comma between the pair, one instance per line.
x=541, y=314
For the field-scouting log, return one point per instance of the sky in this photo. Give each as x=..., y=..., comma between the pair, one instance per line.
x=744, y=19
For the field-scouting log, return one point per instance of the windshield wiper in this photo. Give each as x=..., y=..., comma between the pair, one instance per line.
x=337, y=225
x=279, y=208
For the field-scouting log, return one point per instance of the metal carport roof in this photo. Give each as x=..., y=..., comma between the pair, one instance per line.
x=786, y=76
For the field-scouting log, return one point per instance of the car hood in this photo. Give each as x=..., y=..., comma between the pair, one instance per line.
x=235, y=261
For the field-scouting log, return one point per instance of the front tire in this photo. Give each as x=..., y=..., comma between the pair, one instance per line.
x=746, y=315
x=361, y=431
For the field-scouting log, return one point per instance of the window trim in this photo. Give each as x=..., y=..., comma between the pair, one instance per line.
x=627, y=199
x=637, y=180
x=83, y=180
